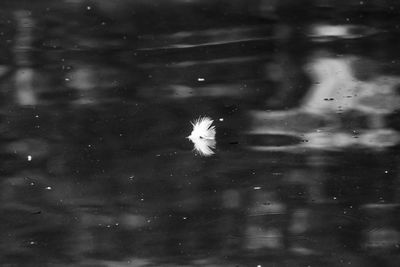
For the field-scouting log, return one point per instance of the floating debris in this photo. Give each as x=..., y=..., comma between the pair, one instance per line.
x=203, y=136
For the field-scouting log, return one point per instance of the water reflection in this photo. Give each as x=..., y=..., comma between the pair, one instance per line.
x=339, y=110
x=96, y=170
x=326, y=33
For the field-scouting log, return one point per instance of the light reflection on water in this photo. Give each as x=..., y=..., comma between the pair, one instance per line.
x=96, y=170
x=328, y=115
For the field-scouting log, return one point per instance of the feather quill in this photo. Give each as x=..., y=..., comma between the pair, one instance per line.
x=203, y=136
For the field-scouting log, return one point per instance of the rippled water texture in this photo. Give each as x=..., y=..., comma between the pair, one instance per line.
x=96, y=103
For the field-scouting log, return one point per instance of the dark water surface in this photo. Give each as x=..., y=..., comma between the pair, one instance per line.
x=97, y=99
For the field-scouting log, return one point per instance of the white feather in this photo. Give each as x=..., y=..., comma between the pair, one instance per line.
x=203, y=136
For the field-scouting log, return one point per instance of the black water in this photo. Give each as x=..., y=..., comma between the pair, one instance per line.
x=97, y=99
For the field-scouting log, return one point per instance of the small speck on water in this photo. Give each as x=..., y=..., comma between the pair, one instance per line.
x=221, y=119
x=29, y=158
x=257, y=187
x=201, y=79
x=48, y=188
x=88, y=8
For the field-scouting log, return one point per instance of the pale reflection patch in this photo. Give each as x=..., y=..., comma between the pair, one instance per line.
x=339, y=110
